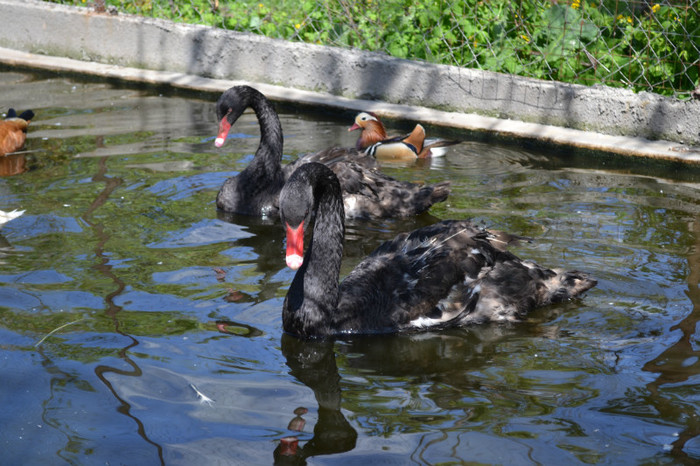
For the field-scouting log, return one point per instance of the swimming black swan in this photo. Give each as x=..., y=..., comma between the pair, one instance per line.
x=445, y=275
x=255, y=190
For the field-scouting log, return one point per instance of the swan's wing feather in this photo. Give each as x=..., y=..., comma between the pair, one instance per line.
x=335, y=155
x=370, y=193
x=408, y=282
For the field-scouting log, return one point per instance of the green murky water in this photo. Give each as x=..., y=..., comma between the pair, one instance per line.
x=124, y=296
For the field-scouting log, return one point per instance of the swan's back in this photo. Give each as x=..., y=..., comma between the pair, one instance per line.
x=369, y=193
x=445, y=275
x=333, y=156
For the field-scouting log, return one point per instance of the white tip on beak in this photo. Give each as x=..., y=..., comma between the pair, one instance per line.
x=294, y=261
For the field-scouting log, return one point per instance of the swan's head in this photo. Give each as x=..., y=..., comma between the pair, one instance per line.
x=230, y=107
x=313, y=190
x=296, y=206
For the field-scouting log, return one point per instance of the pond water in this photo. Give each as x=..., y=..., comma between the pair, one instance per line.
x=139, y=326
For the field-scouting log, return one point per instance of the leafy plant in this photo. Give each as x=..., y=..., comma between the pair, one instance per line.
x=649, y=47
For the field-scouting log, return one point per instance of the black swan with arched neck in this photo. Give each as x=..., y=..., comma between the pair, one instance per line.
x=449, y=274
x=367, y=193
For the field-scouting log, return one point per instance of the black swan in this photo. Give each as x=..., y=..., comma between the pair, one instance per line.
x=445, y=275
x=367, y=193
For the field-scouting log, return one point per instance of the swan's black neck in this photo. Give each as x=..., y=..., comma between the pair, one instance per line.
x=268, y=157
x=255, y=190
x=313, y=295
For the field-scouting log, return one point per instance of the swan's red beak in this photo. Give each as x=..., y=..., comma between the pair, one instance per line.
x=224, y=127
x=354, y=127
x=295, y=246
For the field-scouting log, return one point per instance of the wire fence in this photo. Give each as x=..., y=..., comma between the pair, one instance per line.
x=639, y=45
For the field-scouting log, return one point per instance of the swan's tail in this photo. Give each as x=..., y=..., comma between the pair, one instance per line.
x=435, y=192
x=423, y=197
x=502, y=240
x=565, y=285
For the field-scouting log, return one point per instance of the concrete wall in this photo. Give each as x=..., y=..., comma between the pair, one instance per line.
x=489, y=100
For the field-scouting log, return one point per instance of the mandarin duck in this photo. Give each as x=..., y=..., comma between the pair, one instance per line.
x=373, y=140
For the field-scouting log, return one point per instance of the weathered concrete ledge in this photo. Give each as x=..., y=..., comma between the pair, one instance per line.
x=61, y=38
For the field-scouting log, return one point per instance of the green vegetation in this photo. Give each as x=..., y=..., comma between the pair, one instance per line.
x=652, y=46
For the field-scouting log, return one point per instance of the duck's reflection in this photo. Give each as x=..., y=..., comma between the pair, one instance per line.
x=313, y=364
x=13, y=164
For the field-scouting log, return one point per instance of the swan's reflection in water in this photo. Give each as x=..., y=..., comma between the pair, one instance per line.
x=313, y=364
x=436, y=358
